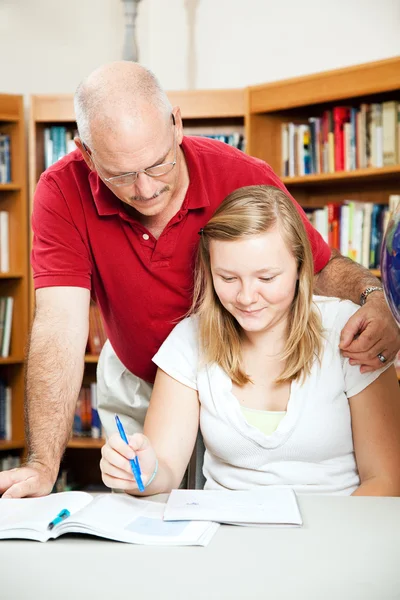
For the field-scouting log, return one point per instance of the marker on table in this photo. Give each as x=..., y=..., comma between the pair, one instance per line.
x=63, y=514
x=134, y=462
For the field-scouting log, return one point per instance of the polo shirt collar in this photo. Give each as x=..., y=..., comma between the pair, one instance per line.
x=197, y=193
x=108, y=204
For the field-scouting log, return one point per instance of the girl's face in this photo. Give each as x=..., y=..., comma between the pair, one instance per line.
x=255, y=279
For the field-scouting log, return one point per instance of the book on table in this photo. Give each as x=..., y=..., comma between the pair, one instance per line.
x=265, y=506
x=117, y=517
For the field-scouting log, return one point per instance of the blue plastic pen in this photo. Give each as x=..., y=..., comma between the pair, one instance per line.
x=134, y=462
x=63, y=514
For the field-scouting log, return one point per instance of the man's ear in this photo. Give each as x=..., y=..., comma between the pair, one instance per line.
x=176, y=111
x=85, y=151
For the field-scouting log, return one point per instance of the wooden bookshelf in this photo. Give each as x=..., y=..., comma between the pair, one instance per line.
x=269, y=106
x=84, y=443
x=203, y=111
x=13, y=199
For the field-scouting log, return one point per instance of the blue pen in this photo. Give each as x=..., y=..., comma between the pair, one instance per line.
x=63, y=514
x=134, y=462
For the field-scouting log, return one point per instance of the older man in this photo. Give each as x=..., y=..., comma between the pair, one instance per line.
x=118, y=219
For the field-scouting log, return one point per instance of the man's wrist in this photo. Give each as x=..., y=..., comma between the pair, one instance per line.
x=370, y=291
x=34, y=462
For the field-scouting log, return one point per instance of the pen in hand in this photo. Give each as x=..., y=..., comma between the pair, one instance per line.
x=134, y=462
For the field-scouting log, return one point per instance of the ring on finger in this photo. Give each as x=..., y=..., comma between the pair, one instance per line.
x=382, y=358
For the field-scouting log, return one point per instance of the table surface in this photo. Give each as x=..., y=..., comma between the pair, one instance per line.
x=348, y=548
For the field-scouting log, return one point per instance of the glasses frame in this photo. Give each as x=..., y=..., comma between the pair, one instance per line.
x=120, y=180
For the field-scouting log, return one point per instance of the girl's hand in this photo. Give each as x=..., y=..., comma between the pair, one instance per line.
x=115, y=466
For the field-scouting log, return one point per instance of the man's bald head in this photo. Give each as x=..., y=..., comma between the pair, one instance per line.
x=115, y=95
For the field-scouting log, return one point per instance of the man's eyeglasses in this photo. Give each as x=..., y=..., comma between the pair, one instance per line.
x=156, y=171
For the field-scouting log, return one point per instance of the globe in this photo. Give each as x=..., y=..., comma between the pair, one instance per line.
x=390, y=264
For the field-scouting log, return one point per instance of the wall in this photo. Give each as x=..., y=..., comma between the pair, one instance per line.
x=48, y=45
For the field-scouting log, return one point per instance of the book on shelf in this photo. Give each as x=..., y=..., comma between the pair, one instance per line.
x=5, y=411
x=86, y=417
x=118, y=517
x=355, y=228
x=5, y=158
x=4, y=242
x=344, y=138
x=97, y=335
x=10, y=461
x=58, y=141
x=6, y=314
x=234, y=139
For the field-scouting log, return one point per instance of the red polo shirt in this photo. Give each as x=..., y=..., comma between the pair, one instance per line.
x=84, y=238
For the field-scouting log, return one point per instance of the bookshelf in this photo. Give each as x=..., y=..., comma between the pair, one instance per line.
x=14, y=281
x=210, y=112
x=271, y=105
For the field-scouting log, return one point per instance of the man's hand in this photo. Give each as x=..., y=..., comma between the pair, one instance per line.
x=31, y=480
x=372, y=330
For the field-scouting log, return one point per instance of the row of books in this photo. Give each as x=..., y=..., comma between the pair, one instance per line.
x=236, y=139
x=6, y=314
x=86, y=418
x=10, y=461
x=97, y=335
x=4, y=242
x=343, y=139
x=5, y=158
x=355, y=228
x=58, y=141
x=5, y=412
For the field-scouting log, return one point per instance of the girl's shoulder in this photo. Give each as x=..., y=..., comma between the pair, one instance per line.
x=334, y=312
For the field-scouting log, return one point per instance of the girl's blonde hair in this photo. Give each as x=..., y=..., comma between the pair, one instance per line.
x=248, y=211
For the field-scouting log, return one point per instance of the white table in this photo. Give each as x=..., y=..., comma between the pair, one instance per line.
x=348, y=549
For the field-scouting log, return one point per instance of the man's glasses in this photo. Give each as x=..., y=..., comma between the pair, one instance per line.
x=156, y=171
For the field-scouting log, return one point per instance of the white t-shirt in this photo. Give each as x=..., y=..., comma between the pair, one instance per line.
x=311, y=450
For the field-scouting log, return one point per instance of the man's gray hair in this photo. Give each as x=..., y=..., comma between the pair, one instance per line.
x=115, y=87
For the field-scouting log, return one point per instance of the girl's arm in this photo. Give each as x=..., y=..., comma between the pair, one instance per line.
x=375, y=414
x=170, y=432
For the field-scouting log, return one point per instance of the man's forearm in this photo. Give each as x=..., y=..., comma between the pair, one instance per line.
x=53, y=379
x=344, y=279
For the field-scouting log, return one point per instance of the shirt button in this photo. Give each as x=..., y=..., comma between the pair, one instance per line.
x=146, y=236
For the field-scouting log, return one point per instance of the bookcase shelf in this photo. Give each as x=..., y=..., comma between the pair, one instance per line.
x=11, y=445
x=376, y=272
x=12, y=360
x=86, y=443
x=272, y=105
x=14, y=282
x=11, y=275
x=10, y=187
x=358, y=175
x=91, y=358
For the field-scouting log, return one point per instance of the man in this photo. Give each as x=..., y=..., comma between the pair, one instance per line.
x=118, y=219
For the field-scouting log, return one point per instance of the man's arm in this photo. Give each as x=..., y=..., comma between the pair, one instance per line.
x=343, y=278
x=372, y=330
x=53, y=379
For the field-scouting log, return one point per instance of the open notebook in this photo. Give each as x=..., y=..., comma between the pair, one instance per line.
x=113, y=516
x=269, y=506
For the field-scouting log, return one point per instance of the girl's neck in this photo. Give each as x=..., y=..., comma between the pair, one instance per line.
x=270, y=342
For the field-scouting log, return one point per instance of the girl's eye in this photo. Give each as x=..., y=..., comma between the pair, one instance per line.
x=267, y=278
x=228, y=279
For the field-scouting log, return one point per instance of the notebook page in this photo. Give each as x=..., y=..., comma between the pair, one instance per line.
x=274, y=506
x=29, y=517
x=135, y=520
